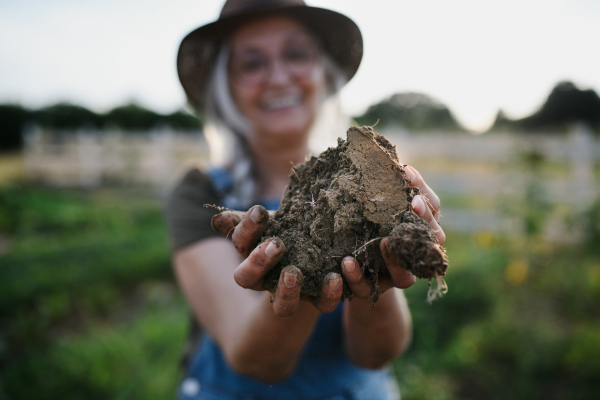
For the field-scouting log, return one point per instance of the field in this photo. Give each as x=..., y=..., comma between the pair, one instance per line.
x=89, y=309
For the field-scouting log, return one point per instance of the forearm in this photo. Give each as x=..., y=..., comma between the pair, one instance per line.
x=377, y=335
x=268, y=346
x=254, y=340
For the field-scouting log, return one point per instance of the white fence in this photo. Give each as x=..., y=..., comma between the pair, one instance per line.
x=494, y=164
x=488, y=167
x=89, y=158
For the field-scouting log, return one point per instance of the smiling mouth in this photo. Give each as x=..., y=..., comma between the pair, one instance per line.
x=281, y=103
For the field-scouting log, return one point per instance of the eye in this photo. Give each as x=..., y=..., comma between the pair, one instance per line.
x=299, y=54
x=252, y=64
x=249, y=64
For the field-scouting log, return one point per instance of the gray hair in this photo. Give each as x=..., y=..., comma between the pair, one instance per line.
x=227, y=130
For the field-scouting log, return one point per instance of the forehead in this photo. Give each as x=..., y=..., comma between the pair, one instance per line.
x=269, y=31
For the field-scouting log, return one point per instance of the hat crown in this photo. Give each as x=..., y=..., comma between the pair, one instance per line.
x=237, y=7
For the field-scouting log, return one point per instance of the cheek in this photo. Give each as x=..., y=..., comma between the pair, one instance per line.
x=315, y=93
x=245, y=99
x=316, y=88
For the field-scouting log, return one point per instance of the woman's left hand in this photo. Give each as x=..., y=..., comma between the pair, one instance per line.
x=427, y=206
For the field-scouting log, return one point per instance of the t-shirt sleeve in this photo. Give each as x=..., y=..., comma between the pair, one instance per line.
x=188, y=221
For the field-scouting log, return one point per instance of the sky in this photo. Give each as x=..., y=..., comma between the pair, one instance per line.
x=474, y=56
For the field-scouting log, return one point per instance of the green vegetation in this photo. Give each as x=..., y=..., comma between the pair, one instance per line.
x=510, y=327
x=88, y=306
x=566, y=104
x=130, y=117
x=89, y=309
x=411, y=111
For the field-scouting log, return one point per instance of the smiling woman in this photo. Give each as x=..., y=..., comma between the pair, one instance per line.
x=261, y=75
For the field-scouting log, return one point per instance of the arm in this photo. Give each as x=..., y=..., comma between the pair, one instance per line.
x=377, y=335
x=258, y=337
x=241, y=321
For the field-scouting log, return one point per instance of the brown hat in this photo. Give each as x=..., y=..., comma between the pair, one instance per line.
x=340, y=36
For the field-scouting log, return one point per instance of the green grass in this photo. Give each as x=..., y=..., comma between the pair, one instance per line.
x=495, y=337
x=137, y=359
x=79, y=317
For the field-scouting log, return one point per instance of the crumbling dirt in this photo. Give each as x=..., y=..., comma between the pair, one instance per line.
x=342, y=203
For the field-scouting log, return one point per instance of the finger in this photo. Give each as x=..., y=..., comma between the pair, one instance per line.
x=225, y=221
x=423, y=211
x=401, y=278
x=416, y=180
x=354, y=277
x=332, y=293
x=250, y=272
x=287, y=294
x=247, y=233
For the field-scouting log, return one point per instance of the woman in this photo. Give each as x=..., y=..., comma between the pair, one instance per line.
x=260, y=74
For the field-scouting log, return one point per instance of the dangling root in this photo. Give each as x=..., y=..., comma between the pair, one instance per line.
x=441, y=288
x=364, y=246
x=219, y=208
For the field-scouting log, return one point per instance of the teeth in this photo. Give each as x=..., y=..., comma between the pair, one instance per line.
x=281, y=102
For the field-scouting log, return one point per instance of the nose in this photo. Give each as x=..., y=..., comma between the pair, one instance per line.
x=279, y=74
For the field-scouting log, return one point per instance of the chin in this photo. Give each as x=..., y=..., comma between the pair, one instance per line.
x=289, y=126
x=288, y=131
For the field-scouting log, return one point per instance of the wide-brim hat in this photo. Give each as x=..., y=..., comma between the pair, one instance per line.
x=340, y=37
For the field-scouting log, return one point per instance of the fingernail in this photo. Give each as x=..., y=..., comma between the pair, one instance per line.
x=410, y=173
x=272, y=249
x=290, y=280
x=385, y=250
x=255, y=214
x=418, y=205
x=349, y=265
x=334, y=281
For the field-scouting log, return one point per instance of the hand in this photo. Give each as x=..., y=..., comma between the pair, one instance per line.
x=248, y=227
x=245, y=230
x=361, y=288
x=426, y=205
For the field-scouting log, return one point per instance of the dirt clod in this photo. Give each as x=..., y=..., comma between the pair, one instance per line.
x=342, y=203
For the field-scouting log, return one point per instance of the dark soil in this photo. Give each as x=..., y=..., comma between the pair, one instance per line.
x=342, y=203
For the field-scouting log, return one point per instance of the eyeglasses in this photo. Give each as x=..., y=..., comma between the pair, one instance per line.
x=254, y=67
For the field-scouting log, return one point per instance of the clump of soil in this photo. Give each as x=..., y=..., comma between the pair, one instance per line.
x=342, y=203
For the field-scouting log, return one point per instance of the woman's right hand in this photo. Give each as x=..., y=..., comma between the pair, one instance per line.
x=245, y=229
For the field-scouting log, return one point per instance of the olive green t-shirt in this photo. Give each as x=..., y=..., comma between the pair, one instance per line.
x=188, y=221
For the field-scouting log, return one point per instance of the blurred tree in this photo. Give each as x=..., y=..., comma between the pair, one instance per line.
x=502, y=122
x=565, y=105
x=182, y=120
x=132, y=117
x=12, y=119
x=66, y=116
x=413, y=111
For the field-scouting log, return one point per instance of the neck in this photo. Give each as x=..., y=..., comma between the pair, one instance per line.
x=273, y=164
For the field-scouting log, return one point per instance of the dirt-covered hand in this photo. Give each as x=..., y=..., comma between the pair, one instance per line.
x=361, y=287
x=245, y=229
x=427, y=204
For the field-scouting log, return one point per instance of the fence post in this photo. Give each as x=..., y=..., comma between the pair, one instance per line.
x=582, y=164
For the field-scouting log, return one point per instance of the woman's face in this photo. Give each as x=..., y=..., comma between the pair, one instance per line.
x=276, y=77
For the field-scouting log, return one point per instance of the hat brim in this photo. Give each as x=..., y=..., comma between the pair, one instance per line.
x=341, y=38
